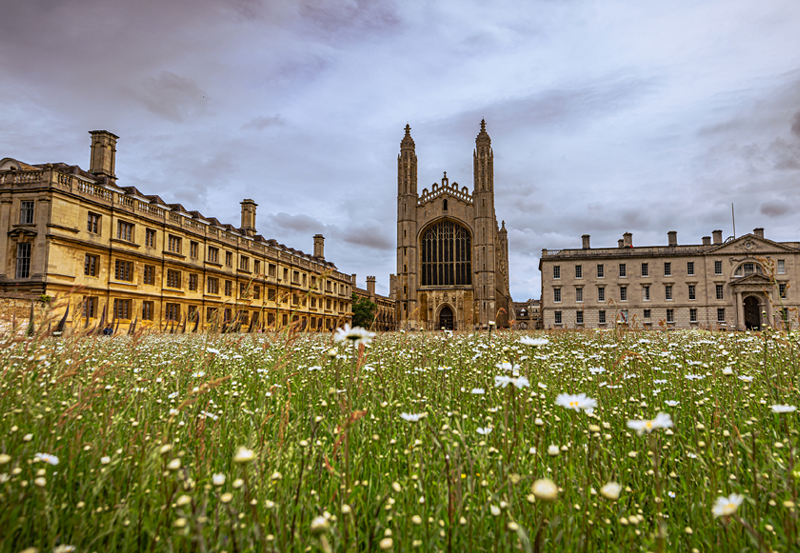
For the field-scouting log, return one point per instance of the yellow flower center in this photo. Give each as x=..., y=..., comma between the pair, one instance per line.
x=573, y=403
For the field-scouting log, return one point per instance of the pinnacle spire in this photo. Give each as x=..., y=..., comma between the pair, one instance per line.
x=483, y=136
x=407, y=141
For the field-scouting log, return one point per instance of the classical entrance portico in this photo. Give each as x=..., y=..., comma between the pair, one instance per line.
x=753, y=295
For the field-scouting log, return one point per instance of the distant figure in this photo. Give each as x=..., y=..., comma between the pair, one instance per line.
x=108, y=331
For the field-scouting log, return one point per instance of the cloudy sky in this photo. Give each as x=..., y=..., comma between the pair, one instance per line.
x=606, y=116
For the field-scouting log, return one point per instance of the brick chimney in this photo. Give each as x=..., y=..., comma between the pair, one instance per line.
x=672, y=238
x=717, y=236
x=706, y=240
x=371, y=288
x=249, y=217
x=628, y=238
x=586, y=245
x=104, y=151
x=759, y=232
x=319, y=246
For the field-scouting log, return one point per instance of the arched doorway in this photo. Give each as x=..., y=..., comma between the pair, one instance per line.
x=446, y=318
x=752, y=313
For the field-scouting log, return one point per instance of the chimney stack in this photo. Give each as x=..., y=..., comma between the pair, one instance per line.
x=104, y=150
x=706, y=240
x=759, y=232
x=249, y=217
x=392, y=286
x=353, y=280
x=672, y=238
x=319, y=246
x=628, y=239
x=371, y=288
x=621, y=243
x=717, y=236
x=586, y=242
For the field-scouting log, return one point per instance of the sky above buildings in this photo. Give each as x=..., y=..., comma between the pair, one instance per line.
x=605, y=116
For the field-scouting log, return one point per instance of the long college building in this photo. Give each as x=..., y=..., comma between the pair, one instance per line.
x=742, y=283
x=117, y=252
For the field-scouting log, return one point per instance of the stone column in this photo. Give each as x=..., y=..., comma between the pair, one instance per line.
x=739, y=312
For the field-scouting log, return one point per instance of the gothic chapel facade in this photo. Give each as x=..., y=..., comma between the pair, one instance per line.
x=452, y=257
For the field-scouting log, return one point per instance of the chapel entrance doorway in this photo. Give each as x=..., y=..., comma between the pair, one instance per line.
x=752, y=313
x=446, y=318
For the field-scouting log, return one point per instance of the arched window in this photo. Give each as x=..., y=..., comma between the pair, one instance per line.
x=446, y=250
x=746, y=269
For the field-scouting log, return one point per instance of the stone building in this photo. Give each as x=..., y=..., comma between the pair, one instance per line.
x=452, y=257
x=740, y=283
x=527, y=315
x=123, y=256
x=385, y=313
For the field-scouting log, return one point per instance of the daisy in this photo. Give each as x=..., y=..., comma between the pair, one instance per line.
x=662, y=420
x=784, y=408
x=47, y=458
x=412, y=417
x=356, y=335
x=611, y=491
x=477, y=391
x=485, y=431
x=534, y=341
x=726, y=506
x=577, y=402
x=545, y=489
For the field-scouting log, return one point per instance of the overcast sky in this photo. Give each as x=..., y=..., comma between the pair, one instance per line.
x=605, y=116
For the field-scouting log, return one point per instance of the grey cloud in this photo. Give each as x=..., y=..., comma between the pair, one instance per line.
x=263, y=121
x=297, y=223
x=796, y=125
x=775, y=208
x=351, y=18
x=171, y=96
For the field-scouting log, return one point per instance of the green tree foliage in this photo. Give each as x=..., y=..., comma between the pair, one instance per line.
x=363, y=312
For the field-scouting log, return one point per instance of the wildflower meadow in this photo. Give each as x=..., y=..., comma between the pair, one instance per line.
x=484, y=441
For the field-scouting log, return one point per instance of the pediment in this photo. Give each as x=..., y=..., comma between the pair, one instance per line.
x=750, y=244
x=756, y=278
x=22, y=232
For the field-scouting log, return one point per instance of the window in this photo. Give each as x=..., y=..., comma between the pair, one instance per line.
x=578, y=294
x=227, y=315
x=212, y=285
x=272, y=270
x=601, y=294
x=93, y=223
x=147, y=310
x=718, y=267
x=746, y=269
x=623, y=271
x=91, y=265
x=721, y=315
x=271, y=294
x=228, y=287
x=285, y=319
x=646, y=293
x=328, y=305
x=313, y=303
x=285, y=274
x=295, y=299
x=782, y=289
x=556, y=272
x=257, y=266
x=557, y=317
x=693, y=315
x=229, y=259
x=623, y=293
x=670, y=315
x=667, y=269
x=122, y=309
x=579, y=317
x=26, y=213
x=244, y=263
x=270, y=319
x=211, y=314
x=668, y=292
x=720, y=292
x=600, y=271
x=601, y=317
x=174, y=244
x=192, y=313
x=194, y=247
x=623, y=316
x=446, y=255
x=556, y=295
x=173, y=278
x=213, y=255
x=645, y=270
x=690, y=268
x=123, y=270
x=149, y=274
x=578, y=271
x=150, y=238
x=89, y=307
x=172, y=312
x=125, y=231
x=646, y=314
x=257, y=292
x=193, y=282
x=692, y=292
x=781, y=267
x=242, y=289
x=296, y=277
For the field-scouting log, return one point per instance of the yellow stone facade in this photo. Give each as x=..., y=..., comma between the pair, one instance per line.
x=122, y=256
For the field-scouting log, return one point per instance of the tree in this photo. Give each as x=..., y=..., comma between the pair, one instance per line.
x=363, y=312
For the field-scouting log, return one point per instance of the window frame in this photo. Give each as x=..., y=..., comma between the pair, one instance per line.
x=26, y=210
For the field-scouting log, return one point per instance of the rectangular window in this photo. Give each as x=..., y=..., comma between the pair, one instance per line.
x=26, y=213
x=271, y=294
x=194, y=248
x=720, y=292
x=578, y=294
x=601, y=272
x=93, y=223
x=285, y=274
x=257, y=292
x=212, y=285
x=229, y=259
x=295, y=300
x=623, y=316
x=556, y=272
x=123, y=270
x=257, y=266
x=668, y=292
x=601, y=294
x=122, y=309
x=147, y=310
x=174, y=244
x=718, y=267
x=693, y=315
x=242, y=289
x=601, y=317
x=646, y=314
x=172, y=312
x=296, y=277
x=578, y=271
x=89, y=307
x=579, y=317
x=244, y=263
x=213, y=255
x=211, y=314
x=667, y=269
x=623, y=270
x=556, y=295
x=692, y=292
x=670, y=315
x=227, y=315
x=125, y=231
x=228, y=288
x=193, y=282
x=328, y=305
x=91, y=265
x=623, y=293
x=272, y=270
x=150, y=238
x=557, y=316
x=270, y=319
x=646, y=293
x=149, y=276
x=782, y=290
x=645, y=270
x=690, y=268
x=173, y=278
x=781, y=267
x=285, y=319
x=192, y=313
x=721, y=315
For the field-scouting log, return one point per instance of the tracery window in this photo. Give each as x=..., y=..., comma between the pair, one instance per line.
x=746, y=269
x=446, y=250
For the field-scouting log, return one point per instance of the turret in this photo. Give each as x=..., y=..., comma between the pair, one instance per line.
x=406, y=230
x=484, y=258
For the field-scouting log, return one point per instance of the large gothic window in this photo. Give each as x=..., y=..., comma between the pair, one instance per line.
x=446, y=255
